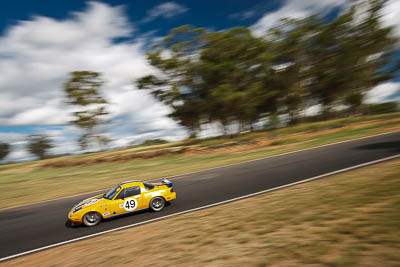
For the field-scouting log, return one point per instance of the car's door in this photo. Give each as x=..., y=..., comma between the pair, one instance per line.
x=128, y=200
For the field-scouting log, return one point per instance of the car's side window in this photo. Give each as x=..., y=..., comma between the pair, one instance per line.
x=148, y=186
x=132, y=191
x=121, y=194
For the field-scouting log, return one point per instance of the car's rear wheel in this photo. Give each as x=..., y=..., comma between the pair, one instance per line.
x=157, y=204
x=91, y=218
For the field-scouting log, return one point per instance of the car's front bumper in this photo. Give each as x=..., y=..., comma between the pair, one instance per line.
x=74, y=218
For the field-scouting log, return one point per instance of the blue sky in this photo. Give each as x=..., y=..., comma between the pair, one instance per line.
x=42, y=41
x=205, y=13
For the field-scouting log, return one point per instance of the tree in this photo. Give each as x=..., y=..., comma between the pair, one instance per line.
x=177, y=83
x=336, y=62
x=351, y=55
x=291, y=42
x=210, y=76
x=83, y=91
x=38, y=145
x=235, y=69
x=234, y=78
x=4, y=150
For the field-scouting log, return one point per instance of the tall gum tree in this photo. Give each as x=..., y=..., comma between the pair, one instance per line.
x=83, y=91
x=210, y=77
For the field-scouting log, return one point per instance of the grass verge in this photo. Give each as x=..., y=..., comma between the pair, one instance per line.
x=32, y=182
x=349, y=219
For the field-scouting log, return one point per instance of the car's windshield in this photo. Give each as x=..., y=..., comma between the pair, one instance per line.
x=110, y=194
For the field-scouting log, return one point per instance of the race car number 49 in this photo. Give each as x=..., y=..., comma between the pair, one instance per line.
x=130, y=204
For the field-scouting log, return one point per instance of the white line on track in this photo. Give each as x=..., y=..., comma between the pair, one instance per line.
x=223, y=166
x=199, y=208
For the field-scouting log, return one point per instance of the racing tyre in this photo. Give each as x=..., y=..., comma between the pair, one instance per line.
x=91, y=219
x=157, y=204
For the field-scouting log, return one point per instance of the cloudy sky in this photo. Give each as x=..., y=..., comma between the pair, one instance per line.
x=42, y=41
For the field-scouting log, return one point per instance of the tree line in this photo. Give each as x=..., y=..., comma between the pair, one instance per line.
x=235, y=78
x=232, y=77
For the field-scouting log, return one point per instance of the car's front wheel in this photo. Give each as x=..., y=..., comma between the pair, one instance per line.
x=157, y=204
x=91, y=218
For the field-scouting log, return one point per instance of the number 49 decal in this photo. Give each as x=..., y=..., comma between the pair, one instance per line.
x=130, y=204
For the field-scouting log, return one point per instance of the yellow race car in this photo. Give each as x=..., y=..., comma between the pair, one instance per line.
x=127, y=197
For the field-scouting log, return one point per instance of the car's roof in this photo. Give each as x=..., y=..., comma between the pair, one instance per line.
x=130, y=183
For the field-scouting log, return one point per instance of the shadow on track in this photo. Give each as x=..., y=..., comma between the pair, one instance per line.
x=70, y=224
x=394, y=146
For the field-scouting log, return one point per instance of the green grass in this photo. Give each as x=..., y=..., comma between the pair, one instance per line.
x=317, y=126
x=29, y=182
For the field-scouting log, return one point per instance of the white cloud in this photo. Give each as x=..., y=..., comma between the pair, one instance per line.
x=391, y=15
x=304, y=8
x=44, y=113
x=165, y=10
x=18, y=155
x=383, y=92
x=312, y=110
x=244, y=14
x=11, y=137
x=296, y=9
x=36, y=57
x=17, y=142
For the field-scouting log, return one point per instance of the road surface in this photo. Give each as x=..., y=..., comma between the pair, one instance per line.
x=37, y=225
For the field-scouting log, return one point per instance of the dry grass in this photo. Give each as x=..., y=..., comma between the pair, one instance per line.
x=350, y=219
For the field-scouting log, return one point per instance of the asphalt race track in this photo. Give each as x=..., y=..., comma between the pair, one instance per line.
x=33, y=226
